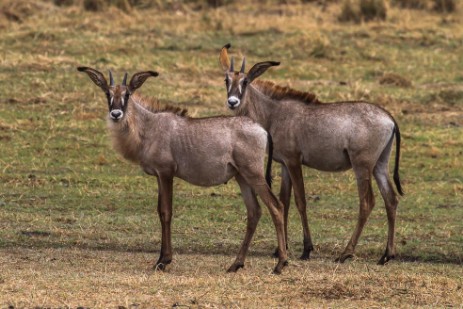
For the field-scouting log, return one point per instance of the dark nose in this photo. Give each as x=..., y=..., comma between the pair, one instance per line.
x=116, y=114
x=232, y=101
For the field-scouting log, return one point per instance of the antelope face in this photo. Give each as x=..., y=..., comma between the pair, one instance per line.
x=118, y=98
x=236, y=84
x=118, y=95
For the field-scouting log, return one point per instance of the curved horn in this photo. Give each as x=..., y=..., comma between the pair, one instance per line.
x=243, y=65
x=124, y=81
x=111, y=79
x=232, y=65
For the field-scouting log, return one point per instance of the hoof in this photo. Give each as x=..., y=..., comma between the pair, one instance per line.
x=305, y=255
x=161, y=265
x=385, y=259
x=343, y=258
x=306, y=252
x=277, y=270
x=234, y=268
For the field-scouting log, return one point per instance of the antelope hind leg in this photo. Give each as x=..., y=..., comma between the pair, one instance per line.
x=390, y=202
x=367, y=202
x=276, y=211
x=253, y=215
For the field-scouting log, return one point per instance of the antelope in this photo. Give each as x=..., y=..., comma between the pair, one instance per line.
x=328, y=137
x=166, y=143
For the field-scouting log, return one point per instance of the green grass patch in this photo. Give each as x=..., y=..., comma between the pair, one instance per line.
x=64, y=189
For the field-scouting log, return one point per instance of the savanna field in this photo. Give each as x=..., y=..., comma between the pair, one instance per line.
x=78, y=223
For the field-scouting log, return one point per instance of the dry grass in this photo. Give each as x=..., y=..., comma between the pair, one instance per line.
x=445, y=6
x=78, y=225
x=50, y=277
x=363, y=10
x=412, y=4
x=394, y=80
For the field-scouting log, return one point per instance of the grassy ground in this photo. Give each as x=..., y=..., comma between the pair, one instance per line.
x=78, y=225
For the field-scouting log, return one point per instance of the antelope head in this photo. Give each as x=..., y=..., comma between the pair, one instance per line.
x=237, y=82
x=117, y=95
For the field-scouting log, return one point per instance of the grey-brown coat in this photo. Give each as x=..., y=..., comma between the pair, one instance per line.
x=325, y=136
x=204, y=151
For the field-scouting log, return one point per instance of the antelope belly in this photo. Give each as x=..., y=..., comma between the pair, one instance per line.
x=206, y=174
x=335, y=160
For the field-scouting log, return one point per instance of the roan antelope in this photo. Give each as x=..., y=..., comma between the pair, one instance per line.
x=166, y=143
x=326, y=136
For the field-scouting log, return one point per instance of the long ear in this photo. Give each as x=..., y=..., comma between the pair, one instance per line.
x=259, y=68
x=96, y=76
x=139, y=78
x=223, y=58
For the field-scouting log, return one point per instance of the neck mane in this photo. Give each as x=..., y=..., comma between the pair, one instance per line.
x=152, y=105
x=280, y=93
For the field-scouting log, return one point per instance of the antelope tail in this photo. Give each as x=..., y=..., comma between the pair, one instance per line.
x=268, y=172
x=397, y=159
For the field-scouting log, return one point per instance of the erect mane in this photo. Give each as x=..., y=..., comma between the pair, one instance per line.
x=154, y=106
x=278, y=93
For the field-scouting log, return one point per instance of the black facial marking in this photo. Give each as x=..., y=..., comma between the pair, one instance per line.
x=108, y=96
x=126, y=97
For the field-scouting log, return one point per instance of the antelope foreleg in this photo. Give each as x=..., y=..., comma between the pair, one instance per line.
x=285, y=198
x=165, y=216
x=295, y=172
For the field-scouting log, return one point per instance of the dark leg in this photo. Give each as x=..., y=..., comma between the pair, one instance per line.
x=295, y=172
x=165, y=184
x=285, y=198
x=254, y=177
x=367, y=202
x=390, y=202
x=276, y=211
x=254, y=213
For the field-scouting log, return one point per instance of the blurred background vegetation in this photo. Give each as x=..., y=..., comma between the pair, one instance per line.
x=63, y=190
x=352, y=10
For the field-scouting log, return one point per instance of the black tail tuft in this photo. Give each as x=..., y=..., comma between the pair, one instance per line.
x=397, y=159
x=268, y=172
